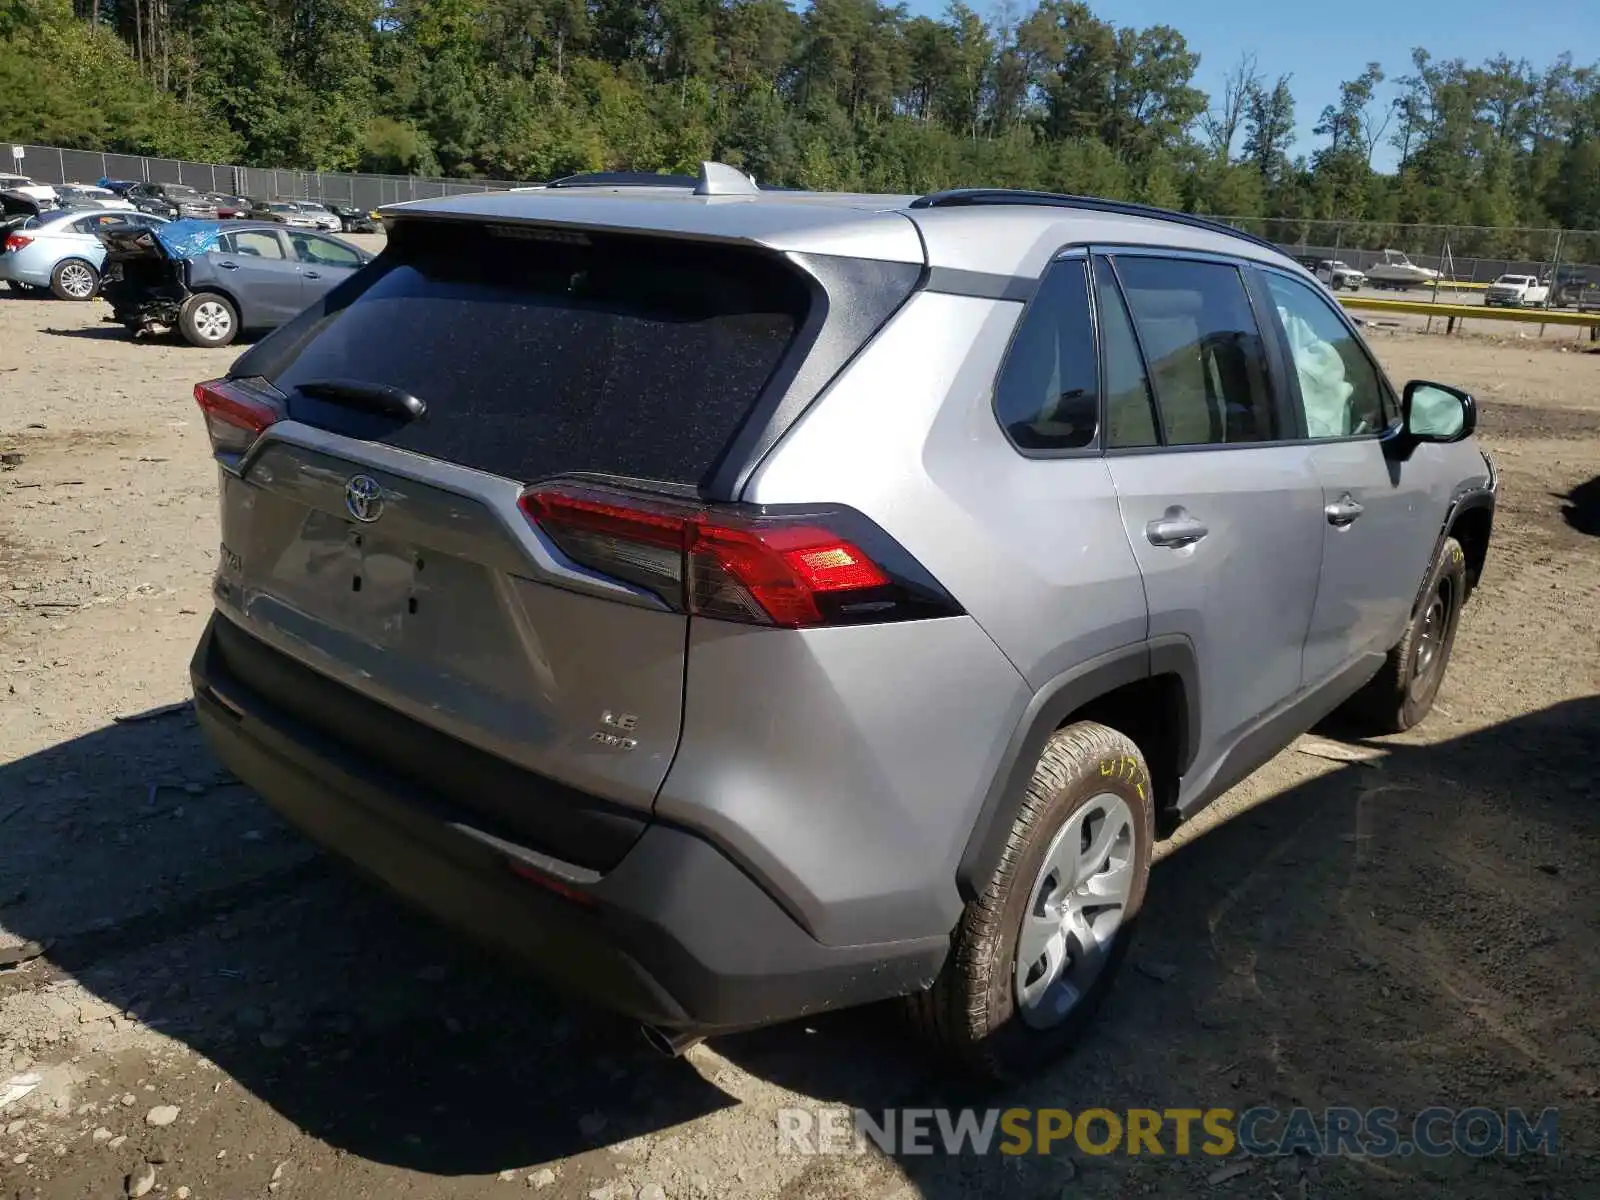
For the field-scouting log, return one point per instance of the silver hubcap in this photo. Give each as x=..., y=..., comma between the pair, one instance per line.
x=1075, y=907
x=77, y=281
x=211, y=321
x=1431, y=639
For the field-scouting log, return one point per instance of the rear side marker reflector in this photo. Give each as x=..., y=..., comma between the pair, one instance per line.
x=560, y=888
x=725, y=562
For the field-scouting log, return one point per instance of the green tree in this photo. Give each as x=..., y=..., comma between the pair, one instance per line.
x=1269, y=129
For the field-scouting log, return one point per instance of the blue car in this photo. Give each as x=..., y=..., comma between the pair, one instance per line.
x=212, y=280
x=61, y=252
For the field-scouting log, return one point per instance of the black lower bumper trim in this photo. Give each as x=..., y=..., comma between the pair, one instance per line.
x=675, y=934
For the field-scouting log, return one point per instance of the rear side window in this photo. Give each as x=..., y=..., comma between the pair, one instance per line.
x=539, y=352
x=1048, y=394
x=1203, y=349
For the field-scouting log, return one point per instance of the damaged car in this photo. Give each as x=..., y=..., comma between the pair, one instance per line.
x=211, y=281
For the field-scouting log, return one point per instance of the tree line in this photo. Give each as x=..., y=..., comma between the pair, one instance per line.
x=848, y=94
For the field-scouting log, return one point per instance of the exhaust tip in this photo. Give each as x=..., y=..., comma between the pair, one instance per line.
x=669, y=1043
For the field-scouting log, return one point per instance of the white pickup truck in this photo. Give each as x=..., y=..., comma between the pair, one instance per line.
x=1517, y=291
x=1338, y=275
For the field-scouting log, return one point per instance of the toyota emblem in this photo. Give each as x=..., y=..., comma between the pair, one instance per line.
x=363, y=496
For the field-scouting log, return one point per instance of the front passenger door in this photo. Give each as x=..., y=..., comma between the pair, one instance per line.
x=1380, y=521
x=1224, y=515
x=324, y=264
x=255, y=267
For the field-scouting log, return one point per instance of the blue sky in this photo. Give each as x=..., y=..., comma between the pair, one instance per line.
x=1323, y=43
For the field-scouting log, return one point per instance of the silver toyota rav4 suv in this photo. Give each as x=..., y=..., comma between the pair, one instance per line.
x=741, y=604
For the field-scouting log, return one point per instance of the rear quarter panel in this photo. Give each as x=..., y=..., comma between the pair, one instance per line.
x=1033, y=548
x=850, y=765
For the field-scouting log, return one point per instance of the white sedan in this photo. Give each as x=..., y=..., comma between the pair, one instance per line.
x=86, y=194
x=323, y=218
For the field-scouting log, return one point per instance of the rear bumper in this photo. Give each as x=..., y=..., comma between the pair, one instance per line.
x=21, y=269
x=675, y=934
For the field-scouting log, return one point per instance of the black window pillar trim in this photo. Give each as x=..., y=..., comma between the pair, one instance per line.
x=1158, y=417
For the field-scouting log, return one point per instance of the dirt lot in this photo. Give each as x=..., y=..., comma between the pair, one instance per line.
x=1417, y=929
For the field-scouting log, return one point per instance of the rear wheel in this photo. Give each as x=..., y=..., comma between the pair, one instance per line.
x=1403, y=691
x=207, y=319
x=1038, y=948
x=74, y=279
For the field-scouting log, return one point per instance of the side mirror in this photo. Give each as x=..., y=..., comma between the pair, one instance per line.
x=1435, y=412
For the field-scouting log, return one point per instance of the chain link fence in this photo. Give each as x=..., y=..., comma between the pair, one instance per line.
x=1467, y=254
x=1569, y=259
x=52, y=164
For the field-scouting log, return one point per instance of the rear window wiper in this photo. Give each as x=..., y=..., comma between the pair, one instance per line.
x=368, y=397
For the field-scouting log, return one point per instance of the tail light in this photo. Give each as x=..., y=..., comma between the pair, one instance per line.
x=237, y=411
x=754, y=566
x=16, y=241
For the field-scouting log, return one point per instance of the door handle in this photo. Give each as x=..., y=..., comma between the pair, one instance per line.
x=1175, y=529
x=313, y=275
x=228, y=266
x=1343, y=511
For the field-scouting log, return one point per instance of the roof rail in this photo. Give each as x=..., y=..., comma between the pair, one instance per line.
x=960, y=197
x=622, y=179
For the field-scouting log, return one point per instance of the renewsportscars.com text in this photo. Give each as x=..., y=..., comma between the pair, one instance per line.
x=1215, y=1132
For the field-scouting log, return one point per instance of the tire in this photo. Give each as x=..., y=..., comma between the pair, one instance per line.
x=207, y=319
x=1401, y=694
x=74, y=279
x=986, y=1016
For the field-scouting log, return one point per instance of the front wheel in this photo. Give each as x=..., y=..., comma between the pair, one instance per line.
x=1038, y=948
x=1401, y=694
x=208, y=319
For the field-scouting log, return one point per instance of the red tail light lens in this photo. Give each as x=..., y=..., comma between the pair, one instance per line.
x=16, y=241
x=776, y=571
x=728, y=563
x=236, y=413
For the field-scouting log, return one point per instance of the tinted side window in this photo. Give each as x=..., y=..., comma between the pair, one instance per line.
x=313, y=249
x=253, y=243
x=1206, y=357
x=1047, y=396
x=1130, y=408
x=1339, y=388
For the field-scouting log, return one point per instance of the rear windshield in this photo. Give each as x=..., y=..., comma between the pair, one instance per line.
x=540, y=352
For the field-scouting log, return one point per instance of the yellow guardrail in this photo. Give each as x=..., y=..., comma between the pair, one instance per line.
x=1477, y=312
x=1445, y=285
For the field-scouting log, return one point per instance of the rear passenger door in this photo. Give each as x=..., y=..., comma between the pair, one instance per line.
x=1222, y=507
x=1380, y=522
x=256, y=268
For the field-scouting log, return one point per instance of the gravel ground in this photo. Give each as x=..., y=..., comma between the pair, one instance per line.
x=220, y=1009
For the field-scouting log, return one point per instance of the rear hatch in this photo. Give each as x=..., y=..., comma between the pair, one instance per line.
x=378, y=577
x=145, y=264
